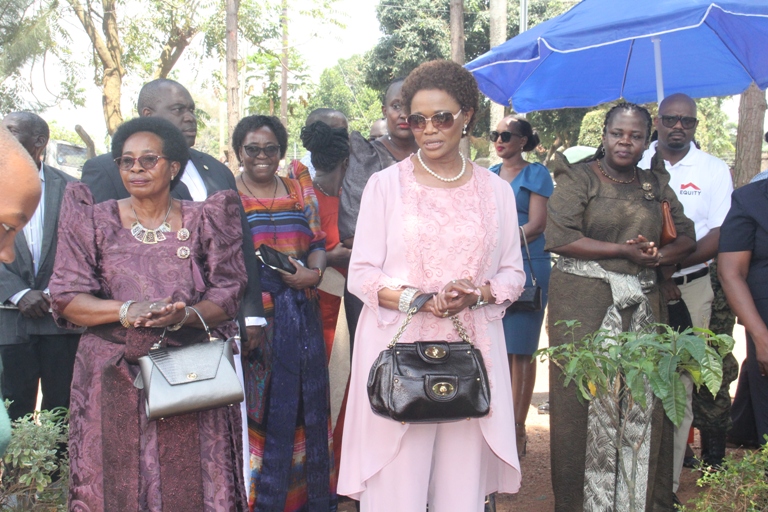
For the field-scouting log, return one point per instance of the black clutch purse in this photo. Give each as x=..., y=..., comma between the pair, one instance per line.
x=275, y=259
x=429, y=381
x=530, y=299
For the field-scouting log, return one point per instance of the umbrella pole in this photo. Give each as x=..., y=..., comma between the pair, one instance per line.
x=657, y=64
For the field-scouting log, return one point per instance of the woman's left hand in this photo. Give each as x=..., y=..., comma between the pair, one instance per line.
x=162, y=314
x=456, y=296
x=303, y=278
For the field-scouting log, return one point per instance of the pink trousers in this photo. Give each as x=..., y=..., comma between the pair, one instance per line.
x=444, y=465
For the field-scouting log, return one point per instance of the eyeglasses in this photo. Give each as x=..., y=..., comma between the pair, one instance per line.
x=505, y=136
x=254, y=151
x=671, y=121
x=146, y=162
x=440, y=120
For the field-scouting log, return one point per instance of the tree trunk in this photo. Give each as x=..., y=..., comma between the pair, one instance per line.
x=233, y=84
x=457, y=52
x=108, y=51
x=284, y=67
x=498, y=14
x=111, y=87
x=749, y=137
x=87, y=140
x=457, y=31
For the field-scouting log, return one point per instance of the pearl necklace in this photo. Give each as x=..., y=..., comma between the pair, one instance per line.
x=433, y=173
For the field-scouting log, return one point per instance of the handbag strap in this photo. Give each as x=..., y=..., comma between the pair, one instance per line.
x=528, y=253
x=414, y=308
x=202, y=321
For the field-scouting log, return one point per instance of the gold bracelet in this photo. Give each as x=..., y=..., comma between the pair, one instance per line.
x=123, y=316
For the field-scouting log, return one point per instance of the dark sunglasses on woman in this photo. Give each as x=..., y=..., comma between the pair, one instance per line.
x=146, y=162
x=254, y=151
x=505, y=136
x=671, y=121
x=440, y=120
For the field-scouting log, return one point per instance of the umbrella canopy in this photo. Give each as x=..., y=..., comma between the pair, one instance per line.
x=602, y=50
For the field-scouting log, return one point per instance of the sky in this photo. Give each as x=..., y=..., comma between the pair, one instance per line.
x=321, y=47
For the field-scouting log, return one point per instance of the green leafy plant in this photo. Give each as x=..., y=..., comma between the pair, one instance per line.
x=34, y=457
x=741, y=485
x=638, y=369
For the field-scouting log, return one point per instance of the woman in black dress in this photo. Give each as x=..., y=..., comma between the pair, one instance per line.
x=742, y=266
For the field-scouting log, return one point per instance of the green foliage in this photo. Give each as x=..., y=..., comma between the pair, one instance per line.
x=558, y=128
x=31, y=460
x=417, y=31
x=714, y=131
x=591, y=132
x=621, y=372
x=29, y=32
x=596, y=363
x=741, y=486
x=343, y=87
x=59, y=132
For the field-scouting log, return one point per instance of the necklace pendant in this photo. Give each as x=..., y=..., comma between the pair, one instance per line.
x=150, y=237
x=137, y=230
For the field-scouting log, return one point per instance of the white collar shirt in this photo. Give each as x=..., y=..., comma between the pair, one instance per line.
x=703, y=185
x=33, y=231
x=194, y=182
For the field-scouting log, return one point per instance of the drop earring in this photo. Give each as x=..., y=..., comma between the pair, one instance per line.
x=464, y=131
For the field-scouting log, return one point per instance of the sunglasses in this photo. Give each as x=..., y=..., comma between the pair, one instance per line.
x=505, y=136
x=440, y=120
x=254, y=151
x=146, y=162
x=671, y=121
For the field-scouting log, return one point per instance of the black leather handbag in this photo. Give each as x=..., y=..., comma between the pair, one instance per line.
x=429, y=381
x=530, y=299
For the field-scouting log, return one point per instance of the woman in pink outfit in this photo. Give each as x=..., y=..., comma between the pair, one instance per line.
x=448, y=226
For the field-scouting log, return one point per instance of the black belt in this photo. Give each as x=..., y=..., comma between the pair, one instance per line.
x=690, y=277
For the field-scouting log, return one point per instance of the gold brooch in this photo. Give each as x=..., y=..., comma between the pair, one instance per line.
x=182, y=235
x=649, y=196
x=183, y=252
x=647, y=187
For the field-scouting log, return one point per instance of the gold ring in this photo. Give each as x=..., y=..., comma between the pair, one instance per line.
x=445, y=314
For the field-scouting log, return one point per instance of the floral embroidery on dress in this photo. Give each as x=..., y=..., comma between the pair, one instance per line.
x=439, y=238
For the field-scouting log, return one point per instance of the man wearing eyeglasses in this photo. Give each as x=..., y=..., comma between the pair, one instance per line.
x=703, y=184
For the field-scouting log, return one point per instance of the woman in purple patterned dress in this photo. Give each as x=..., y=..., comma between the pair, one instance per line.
x=127, y=270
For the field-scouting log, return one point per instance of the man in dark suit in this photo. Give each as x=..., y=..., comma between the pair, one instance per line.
x=203, y=176
x=34, y=350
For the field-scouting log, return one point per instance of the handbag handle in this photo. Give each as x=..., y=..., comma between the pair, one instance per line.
x=528, y=253
x=414, y=308
x=202, y=321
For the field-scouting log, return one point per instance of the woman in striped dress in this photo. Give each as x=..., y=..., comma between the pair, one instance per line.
x=286, y=378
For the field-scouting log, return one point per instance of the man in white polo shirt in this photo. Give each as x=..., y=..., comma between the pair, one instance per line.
x=703, y=184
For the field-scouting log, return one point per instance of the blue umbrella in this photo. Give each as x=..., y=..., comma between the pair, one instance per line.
x=602, y=50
